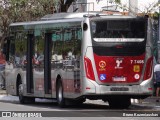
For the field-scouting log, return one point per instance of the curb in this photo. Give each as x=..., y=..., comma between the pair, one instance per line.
x=3, y=92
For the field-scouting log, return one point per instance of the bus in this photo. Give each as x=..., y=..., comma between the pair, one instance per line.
x=79, y=56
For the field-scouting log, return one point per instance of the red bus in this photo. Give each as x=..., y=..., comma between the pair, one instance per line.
x=79, y=56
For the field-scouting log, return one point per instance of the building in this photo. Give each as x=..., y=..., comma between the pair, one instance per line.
x=105, y=5
x=92, y=5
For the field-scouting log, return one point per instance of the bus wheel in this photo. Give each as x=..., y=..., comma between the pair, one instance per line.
x=24, y=99
x=119, y=103
x=59, y=95
x=20, y=93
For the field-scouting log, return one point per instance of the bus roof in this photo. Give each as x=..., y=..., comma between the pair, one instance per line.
x=44, y=22
x=65, y=15
x=56, y=16
x=69, y=17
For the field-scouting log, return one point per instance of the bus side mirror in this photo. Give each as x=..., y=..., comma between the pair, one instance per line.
x=85, y=26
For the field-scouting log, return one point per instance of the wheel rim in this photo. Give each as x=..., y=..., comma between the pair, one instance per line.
x=20, y=89
x=60, y=95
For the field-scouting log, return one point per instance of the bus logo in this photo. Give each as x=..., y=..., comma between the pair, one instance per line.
x=119, y=62
x=102, y=65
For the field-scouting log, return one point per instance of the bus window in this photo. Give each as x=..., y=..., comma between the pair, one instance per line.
x=118, y=29
x=38, y=56
x=56, y=48
x=20, y=48
x=72, y=47
x=66, y=47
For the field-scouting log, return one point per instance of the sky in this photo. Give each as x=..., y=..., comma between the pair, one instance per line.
x=142, y=4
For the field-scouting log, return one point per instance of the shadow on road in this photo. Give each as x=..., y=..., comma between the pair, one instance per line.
x=84, y=106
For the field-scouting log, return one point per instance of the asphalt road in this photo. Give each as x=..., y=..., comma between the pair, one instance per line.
x=90, y=110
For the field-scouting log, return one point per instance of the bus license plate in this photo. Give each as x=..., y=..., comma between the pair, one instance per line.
x=119, y=89
x=119, y=79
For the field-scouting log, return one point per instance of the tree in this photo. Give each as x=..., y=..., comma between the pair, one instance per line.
x=150, y=8
x=22, y=10
x=64, y=5
x=117, y=1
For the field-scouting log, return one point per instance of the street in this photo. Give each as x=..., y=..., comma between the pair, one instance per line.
x=97, y=109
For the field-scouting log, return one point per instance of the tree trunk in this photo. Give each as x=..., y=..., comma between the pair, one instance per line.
x=63, y=8
x=2, y=42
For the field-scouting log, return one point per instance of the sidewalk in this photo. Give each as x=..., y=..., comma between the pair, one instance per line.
x=3, y=92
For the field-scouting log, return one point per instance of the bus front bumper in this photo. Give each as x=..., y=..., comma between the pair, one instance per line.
x=145, y=88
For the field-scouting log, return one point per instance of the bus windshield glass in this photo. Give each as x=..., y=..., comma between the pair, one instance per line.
x=127, y=30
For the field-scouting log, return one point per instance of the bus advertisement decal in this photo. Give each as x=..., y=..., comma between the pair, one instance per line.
x=102, y=65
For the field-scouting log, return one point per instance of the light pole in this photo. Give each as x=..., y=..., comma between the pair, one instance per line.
x=159, y=21
x=158, y=41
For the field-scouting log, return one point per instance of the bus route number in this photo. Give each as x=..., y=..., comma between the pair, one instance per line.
x=137, y=61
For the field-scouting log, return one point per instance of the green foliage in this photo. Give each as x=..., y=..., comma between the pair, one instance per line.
x=117, y=1
x=23, y=10
x=155, y=15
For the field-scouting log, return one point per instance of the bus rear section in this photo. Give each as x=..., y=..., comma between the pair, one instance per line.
x=118, y=64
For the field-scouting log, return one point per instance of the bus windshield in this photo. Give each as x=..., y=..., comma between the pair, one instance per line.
x=131, y=30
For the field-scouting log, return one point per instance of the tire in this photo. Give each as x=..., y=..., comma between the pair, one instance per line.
x=119, y=103
x=30, y=99
x=24, y=99
x=20, y=94
x=59, y=95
